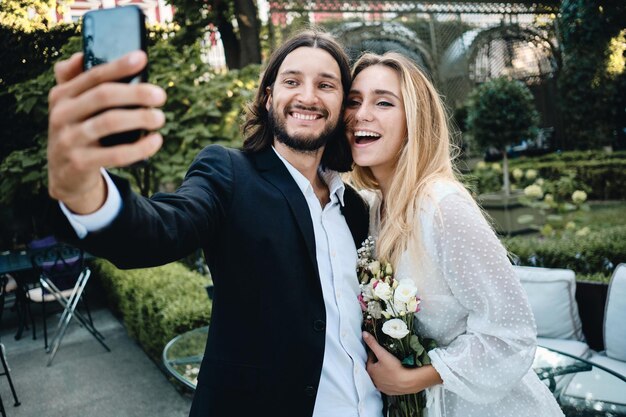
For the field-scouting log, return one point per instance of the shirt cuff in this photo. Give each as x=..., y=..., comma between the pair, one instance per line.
x=101, y=218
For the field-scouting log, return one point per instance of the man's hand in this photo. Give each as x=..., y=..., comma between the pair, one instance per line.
x=391, y=377
x=86, y=106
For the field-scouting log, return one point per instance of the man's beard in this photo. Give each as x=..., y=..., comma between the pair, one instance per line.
x=300, y=143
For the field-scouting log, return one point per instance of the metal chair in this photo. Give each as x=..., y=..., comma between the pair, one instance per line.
x=4, y=281
x=62, y=277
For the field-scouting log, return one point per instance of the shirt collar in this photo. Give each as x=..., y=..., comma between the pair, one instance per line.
x=330, y=177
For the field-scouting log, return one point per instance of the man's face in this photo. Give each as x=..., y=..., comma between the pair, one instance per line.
x=304, y=104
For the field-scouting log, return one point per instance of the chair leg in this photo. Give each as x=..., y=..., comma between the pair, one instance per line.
x=4, y=414
x=29, y=311
x=82, y=299
x=45, y=327
x=7, y=372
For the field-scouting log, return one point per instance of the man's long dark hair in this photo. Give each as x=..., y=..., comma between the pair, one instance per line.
x=257, y=131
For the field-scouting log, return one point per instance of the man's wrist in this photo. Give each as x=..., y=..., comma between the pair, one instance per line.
x=89, y=202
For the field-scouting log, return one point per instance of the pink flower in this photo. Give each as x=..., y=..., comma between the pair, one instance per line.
x=362, y=303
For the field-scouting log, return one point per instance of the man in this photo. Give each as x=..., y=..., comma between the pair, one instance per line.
x=285, y=334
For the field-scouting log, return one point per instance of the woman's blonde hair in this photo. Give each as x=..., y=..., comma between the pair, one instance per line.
x=426, y=156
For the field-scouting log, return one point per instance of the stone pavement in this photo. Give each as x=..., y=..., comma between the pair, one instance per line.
x=84, y=379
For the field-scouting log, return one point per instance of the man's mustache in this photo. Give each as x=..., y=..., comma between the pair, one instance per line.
x=322, y=111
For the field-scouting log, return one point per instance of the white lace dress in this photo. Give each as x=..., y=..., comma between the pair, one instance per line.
x=474, y=307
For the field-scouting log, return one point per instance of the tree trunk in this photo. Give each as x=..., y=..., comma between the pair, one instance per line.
x=249, y=32
x=232, y=49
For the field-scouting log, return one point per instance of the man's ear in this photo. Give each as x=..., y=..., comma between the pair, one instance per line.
x=268, y=101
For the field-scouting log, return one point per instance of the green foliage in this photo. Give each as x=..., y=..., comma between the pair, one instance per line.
x=203, y=107
x=156, y=304
x=193, y=17
x=24, y=170
x=24, y=56
x=593, y=252
x=501, y=112
x=605, y=179
x=573, y=156
x=590, y=92
x=26, y=15
x=602, y=175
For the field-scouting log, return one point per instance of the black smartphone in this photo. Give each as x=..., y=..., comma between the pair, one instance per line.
x=109, y=34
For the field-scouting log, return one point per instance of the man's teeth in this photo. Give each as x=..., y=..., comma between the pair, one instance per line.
x=304, y=116
x=362, y=133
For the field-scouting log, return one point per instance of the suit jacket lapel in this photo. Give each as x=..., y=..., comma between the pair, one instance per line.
x=356, y=213
x=273, y=170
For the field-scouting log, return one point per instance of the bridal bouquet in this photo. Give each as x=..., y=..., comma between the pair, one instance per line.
x=389, y=306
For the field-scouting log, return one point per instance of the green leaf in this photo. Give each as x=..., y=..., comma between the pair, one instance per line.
x=31, y=176
x=415, y=345
x=409, y=361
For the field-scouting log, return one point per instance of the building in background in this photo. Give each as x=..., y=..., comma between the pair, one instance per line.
x=156, y=11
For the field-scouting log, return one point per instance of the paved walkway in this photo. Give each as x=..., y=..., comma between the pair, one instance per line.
x=84, y=379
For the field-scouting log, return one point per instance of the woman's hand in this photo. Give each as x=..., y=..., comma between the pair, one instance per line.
x=391, y=377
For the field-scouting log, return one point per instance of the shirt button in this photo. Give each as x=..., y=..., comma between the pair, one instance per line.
x=319, y=325
x=333, y=253
x=309, y=391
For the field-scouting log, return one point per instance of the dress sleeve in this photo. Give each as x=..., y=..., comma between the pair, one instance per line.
x=498, y=347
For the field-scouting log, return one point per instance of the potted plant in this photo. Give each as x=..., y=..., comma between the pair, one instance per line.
x=502, y=112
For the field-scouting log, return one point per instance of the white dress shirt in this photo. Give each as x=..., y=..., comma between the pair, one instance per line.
x=345, y=388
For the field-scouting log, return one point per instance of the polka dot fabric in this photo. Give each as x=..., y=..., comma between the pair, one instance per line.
x=475, y=308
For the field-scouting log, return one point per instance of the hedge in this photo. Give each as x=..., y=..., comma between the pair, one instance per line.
x=593, y=257
x=606, y=178
x=574, y=156
x=156, y=304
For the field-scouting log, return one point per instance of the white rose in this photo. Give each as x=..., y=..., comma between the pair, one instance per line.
x=399, y=307
x=395, y=328
x=405, y=291
x=374, y=267
x=382, y=290
x=413, y=305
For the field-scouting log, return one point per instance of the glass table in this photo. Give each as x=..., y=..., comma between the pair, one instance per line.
x=582, y=389
x=183, y=354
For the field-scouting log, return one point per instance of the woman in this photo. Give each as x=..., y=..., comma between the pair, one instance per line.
x=430, y=228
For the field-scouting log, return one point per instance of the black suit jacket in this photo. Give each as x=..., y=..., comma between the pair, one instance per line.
x=266, y=339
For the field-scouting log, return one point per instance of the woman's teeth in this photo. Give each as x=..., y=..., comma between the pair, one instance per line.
x=362, y=137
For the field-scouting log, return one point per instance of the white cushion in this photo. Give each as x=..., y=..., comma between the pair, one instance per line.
x=11, y=284
x=552, y=296
x=573, y=347
x=615, y=316
x=36, y=295
x=612, y=364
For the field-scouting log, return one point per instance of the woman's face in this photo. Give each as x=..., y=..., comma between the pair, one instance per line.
x=375, y=120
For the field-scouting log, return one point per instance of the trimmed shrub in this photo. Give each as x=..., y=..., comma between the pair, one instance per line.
x=606, y=178
x=594, y=255
x=156, y=304
x=602, y=173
